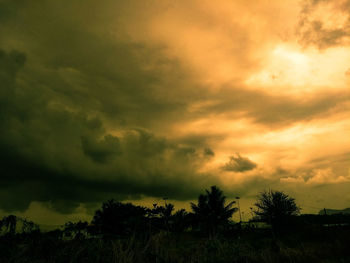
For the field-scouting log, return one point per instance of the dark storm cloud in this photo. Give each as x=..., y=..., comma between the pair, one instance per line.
x=239, y=164
x=87, y=61
x=83, y=105
x=58, y=153
x=79, y=78
x=101, y=150
x=64, y=169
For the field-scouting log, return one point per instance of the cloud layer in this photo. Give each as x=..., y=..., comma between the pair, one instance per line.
x=136, y=100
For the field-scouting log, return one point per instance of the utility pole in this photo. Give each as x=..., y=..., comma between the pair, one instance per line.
x=239, y=209
x=165, y=198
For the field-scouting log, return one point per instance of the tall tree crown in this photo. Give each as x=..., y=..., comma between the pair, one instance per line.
x=276, y=207
x=211, y=210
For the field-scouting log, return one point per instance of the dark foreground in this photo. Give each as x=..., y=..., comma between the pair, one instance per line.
x=321, y=244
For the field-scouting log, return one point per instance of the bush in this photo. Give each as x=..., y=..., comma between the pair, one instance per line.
x=276, y=208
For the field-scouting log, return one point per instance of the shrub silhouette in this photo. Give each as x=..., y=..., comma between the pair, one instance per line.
x=77, y=230
x=119, y=218
x=12, y=224
x=211, y=211
x=9, y=223
x=163, y=218
x=276, y=208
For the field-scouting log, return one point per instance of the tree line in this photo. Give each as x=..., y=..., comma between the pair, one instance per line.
x=210, y=215
x=124, y=232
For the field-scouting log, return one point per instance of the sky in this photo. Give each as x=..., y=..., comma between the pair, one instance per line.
x=140, y=100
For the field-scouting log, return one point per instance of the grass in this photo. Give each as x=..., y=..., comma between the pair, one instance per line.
x=307, y=245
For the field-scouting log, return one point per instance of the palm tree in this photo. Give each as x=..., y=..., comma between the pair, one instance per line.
x=211, y=211
x=181, y=220
x=166, y=213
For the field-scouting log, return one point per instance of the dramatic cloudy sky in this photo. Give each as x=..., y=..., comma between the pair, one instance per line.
x=138, y=100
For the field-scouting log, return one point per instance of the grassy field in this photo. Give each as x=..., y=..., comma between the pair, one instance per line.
x=319, y=244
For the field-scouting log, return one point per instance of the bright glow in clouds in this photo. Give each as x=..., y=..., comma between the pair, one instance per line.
x=290, y=69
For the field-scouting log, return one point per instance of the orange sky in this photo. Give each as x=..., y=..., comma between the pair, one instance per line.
x=254, y=94
x=273, y=48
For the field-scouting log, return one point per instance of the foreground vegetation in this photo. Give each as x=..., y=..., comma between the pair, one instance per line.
x=122, y=232
x=314, y=245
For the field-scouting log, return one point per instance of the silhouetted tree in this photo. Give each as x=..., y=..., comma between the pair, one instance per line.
x=77, y=230
x=180, y=221
x=10, y=223
x=159, y=217
x=119, y=218
x=28, y=226
x=167, y=210
x=166, y=213
x=211, y=211
x=276, y=208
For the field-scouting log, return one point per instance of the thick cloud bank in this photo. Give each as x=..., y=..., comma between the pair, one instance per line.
x=135, y=100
